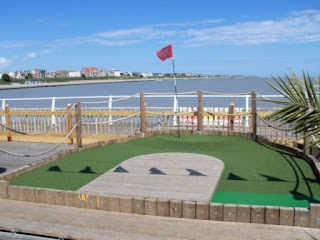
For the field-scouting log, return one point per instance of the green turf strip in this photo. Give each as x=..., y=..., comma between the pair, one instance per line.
x=249, y=166
x=285, y=200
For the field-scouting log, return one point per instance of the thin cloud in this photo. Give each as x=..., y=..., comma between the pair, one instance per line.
x=37, y=54
x=297, y=27
x=5, y=62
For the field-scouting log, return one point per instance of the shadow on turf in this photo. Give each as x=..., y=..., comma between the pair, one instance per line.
x=2, y=170
x=87, y=169
x=289, y=157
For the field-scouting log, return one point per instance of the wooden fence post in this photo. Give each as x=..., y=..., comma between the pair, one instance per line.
x=143, y=117
x=69, y=123
x=254, y=114
x=200, y=112
x=306, y=143
x=78, y=122
x=231, y=111
x=7, y=112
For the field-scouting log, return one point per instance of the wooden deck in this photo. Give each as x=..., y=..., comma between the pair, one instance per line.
x=181, y=176
x=76, y=223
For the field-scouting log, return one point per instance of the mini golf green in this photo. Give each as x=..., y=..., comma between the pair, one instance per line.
x=254, y=174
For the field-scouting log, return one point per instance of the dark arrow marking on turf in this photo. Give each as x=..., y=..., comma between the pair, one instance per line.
x=156, y=171
x=194, y=172
x=87, y=170
x=120, y=169
x=55, y=169
x=272, y=179
x=2, y=170
x=235, y=177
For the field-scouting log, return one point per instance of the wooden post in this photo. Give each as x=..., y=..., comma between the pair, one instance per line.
x=306, y=143
x=143, y=117
x=7, y=112
x=254, y=113
x=69, y=123
x=78, y=122
x=199, y=110
x=231, y=111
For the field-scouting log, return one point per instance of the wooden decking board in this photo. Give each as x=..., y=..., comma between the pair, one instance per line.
x=171, y=181
x=67, y=222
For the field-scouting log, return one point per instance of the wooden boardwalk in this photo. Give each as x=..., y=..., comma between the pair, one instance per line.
x=180, y=176
x=76, y=223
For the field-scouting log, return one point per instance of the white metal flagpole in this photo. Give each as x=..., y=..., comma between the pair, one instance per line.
x=176, y=96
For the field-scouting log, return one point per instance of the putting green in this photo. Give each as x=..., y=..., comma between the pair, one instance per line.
x=254, y=173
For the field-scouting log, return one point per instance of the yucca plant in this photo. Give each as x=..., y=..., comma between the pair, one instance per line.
x=301, y=108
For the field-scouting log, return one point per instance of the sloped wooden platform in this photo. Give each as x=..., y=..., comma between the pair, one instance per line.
x=180, y=176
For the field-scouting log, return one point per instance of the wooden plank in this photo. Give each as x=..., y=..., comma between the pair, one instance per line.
x=138, y=205
x=163, y=207
x=286, y=216
x=78, y=122
x=203, y=210
x=254, y=112
x=189, y=209
x=257, y=214
x=8, y=123
x=243, y=213
x=216, y=211
x=272, y=215
x=314, y=215
x=302, y=217
x=199, y=111
x=176, y=209
x=126, y=204
x=150, y=206
x=230, y=212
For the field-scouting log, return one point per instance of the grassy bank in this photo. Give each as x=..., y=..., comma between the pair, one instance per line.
x=254, y=173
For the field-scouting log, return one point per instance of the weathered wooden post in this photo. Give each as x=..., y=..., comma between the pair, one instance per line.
x=78, y=122
x=306, y=143
x=143, y=116
x=69, y=123
x=254, y=114
x=7, y=112
x=231, y=117
x=200, y=112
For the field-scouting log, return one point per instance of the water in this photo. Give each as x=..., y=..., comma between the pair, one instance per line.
x=217, y=85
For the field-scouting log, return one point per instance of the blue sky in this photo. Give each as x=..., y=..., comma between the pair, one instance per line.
x=209, y=36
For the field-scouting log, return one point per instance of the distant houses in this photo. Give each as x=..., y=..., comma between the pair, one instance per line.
x=85, y=72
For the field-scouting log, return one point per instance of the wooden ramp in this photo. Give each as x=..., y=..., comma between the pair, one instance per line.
x=75, y=223
x=180, y=176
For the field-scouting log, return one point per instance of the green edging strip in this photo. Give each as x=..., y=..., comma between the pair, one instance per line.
x=282, y=200
x=249, y=167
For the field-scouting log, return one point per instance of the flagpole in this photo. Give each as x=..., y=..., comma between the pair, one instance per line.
x=176, y=95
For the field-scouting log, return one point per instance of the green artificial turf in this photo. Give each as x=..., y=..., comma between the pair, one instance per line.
x=253, y=174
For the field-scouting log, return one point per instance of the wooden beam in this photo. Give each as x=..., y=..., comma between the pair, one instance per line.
x=69, y=123
x=7, y=112
x=78, y=122
x=199, y=110
x=143, y=117
x=254, y=113
x=231, y=118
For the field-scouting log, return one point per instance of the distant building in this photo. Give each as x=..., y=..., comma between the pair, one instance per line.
x=90, y=71
x=102, y=73
x=50, y=74
x=20, y=74
x=146, y=75
x=74, y=74
x=38, y=73
x=0, y=75
x=114, y=73
x=127, y=74
x=187, y=74
x=62, y=73
x=12, y=75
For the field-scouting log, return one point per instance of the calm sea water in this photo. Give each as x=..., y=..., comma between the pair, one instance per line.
x=217, y=85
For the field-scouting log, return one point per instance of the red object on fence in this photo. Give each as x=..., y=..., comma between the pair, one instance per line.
x=165, y=53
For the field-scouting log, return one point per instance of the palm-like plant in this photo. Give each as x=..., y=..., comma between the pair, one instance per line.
x=301, y=108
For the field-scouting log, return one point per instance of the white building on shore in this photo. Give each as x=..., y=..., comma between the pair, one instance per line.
x=74, y=74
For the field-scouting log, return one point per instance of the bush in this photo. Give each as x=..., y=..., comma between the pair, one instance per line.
x=6, y=77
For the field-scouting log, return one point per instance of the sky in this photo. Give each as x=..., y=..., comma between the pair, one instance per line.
x=247, y=37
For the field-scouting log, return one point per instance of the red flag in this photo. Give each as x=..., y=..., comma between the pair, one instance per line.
x=165, y=53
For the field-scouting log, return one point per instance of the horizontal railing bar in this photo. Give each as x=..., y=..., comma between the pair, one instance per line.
x=147, y=96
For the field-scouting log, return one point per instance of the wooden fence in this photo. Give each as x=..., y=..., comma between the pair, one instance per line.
x=131, y=120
